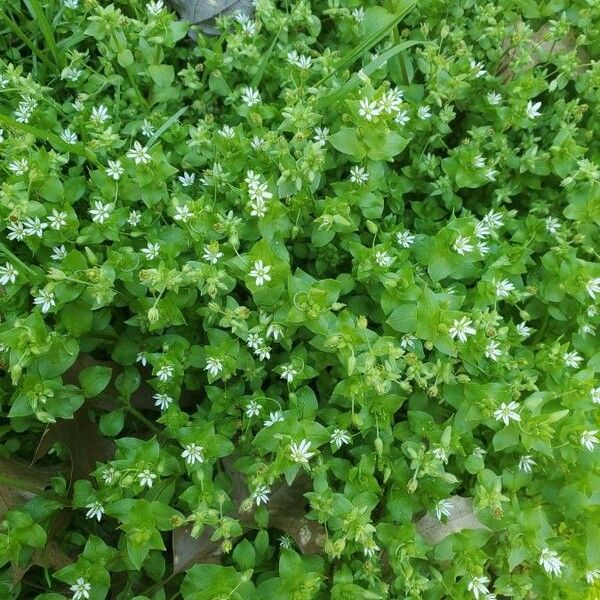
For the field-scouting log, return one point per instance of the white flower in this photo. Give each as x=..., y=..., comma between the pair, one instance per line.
x=187, y=179
x=443, y=507
x=494, y=98
x=114, y=169
x=591, y=311
x=478, y=68
x=593, y=287
x=78, y=105
x=214, y=366
x=70, y=3
x=8, y=274
x=589, y=439
x=258, y=208
x=592, y=575
x=162, y=401
x=71, y=74
x=526, y=463
x=58, y=252
x=34, y=227
x=147, y=128
x=274, y=417
x=134, y=217
x=572, y=359
x=227, y=132
x=479, y=452
x=532, y=110
x=250, y=97
x=552, y=225
x=504, y=288
x=165, y=373
x=300, y=452
x=260, y=272
x=151, y=251
x=155, y=7
x=507, y=412
x=490, y=175
x=461, y=329
x=81, y=589
x=101, y=212
x=139, y=154
x=253, y=409
x=368, y=110
x=358, y=14
x=440, y=453
x=370, y=548
x=259, y=191
x=15, y=231
x=263, y=353
x=183, y=213
x=550, y=561
x=147, y=478
x=288, y=373
x=19, y=166
x=212, y=254
x=23, y=113
x=45, y=299
x=57, y=220
x=257, y=142
x=405, y=238
x=424, y=113
x=99, y=114
x=193, y=453
x=391, y=101
x=68, y=136
x=96, y=510
x=383, y=259
x=286, y=542
x=254, y=341
x=523, y=330
x=274, y=331
x=108, y=475
x=407, y=341
x=595, y=394
x=339, y=437
x=260, y=495
x=358, y=175
x=478, y=586
x=492, y=350
x=462, y=245
x=1, y=131
x=142, y=358
x=482, y=230
x=321, y=135
x=479, y=162
x=587, y=329
x=402, y=117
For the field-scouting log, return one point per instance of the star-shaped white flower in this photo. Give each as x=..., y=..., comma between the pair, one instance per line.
x=260, y=272
x=300, y=452
x=507, y=413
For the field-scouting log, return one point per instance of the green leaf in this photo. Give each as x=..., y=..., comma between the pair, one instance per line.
x=244, y=555
x=162, y=75
x=94, y=379
x=345, y=141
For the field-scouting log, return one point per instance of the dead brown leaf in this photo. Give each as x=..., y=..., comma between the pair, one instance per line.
x=462, y=516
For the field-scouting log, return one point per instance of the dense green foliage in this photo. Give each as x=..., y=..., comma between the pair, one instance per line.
x=304, y=310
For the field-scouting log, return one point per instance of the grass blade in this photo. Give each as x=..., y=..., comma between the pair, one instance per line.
x=354, y=81
x=352, y=56
x=50, y=137
x=166, y=126
x=37, y=12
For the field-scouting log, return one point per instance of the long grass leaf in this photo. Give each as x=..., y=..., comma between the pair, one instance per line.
x=354, y=82
x=166, y=126
x=353, y=55
x=49, y=137
x=23, y=37
x=41, y=20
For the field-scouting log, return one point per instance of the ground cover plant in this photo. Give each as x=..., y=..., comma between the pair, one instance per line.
x=304, y=309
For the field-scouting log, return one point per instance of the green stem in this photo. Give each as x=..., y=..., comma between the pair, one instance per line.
x=138, y=415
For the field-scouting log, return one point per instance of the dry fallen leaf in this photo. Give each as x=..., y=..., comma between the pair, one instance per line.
x=461, y=517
